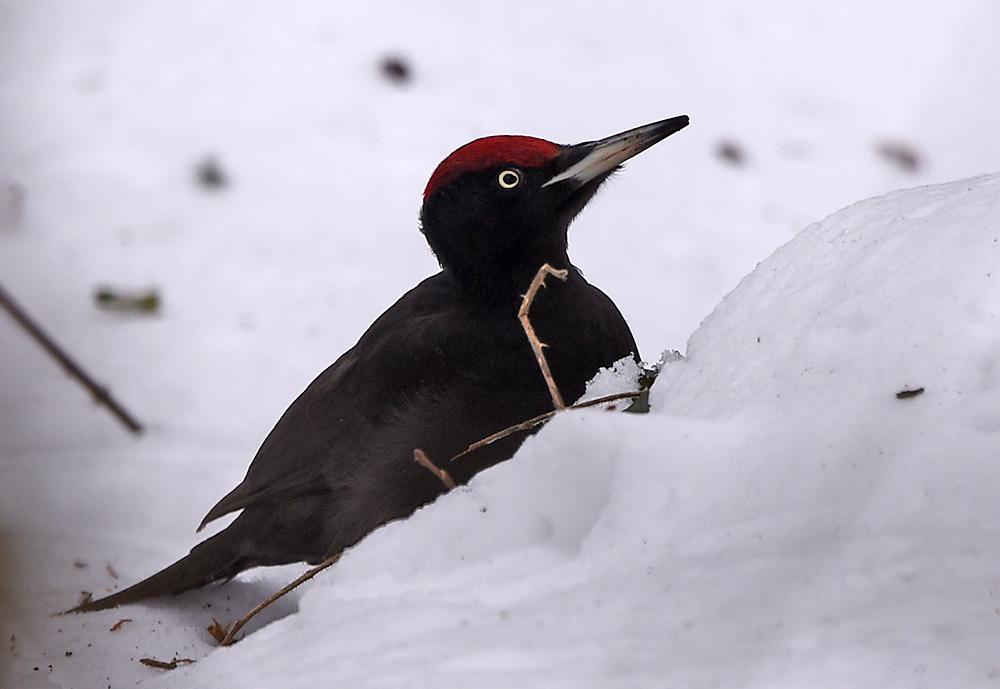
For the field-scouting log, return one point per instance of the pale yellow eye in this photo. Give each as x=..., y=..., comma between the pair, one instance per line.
x=509, y=179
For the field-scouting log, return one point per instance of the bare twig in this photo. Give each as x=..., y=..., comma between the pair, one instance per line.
x=217, y=630
x=158, y=664
x=537, y=345
x=531, y=423
x=168, y=665
x=230, y=636
x=423, y=461
x=101, y=394
x=165, y=665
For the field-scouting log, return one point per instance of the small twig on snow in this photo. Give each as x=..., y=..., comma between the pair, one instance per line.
x=230, y=636
x=168, y=665
x=537, y=345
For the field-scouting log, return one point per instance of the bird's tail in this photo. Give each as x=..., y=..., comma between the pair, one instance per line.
x=214, y=559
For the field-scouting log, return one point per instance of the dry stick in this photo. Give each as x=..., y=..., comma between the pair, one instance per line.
x=423, y=461
x=531, y=423
x=228, y=640
x=536, y=345
x=101, y=394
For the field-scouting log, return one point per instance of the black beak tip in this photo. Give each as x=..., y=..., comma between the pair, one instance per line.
x=674, y=124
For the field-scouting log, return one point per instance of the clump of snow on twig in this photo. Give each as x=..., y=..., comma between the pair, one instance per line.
x=621, y=377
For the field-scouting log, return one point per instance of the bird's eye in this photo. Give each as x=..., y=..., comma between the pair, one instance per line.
x=508, y=179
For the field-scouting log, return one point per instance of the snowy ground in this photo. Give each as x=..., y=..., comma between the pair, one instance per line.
x=779, y=519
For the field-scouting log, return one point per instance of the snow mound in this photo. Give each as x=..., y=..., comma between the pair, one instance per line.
x=811, y=502
x=892, y=293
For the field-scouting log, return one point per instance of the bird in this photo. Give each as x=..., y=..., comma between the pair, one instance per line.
x=447, y=365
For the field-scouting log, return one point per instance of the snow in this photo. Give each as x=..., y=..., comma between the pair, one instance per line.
x=780, y=518
x=622, y=377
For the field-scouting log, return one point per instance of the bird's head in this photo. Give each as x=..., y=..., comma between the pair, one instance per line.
x=498, y=208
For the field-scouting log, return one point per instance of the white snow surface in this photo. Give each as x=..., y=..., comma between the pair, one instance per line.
x=781, y=517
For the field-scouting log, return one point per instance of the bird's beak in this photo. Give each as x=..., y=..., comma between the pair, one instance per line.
x=600, y=157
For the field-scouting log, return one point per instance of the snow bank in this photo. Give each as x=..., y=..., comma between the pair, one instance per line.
x=783, y=517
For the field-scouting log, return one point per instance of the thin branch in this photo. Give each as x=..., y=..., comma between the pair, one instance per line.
x=101, y=394
x=423, y=461
x=537, y=345
x=531, y=423
x=230, y=636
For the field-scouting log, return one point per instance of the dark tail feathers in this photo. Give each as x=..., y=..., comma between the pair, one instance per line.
x=209, y=561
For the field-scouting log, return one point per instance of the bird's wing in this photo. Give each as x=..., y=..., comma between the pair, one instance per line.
x=287, y=461
x=326, y=430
